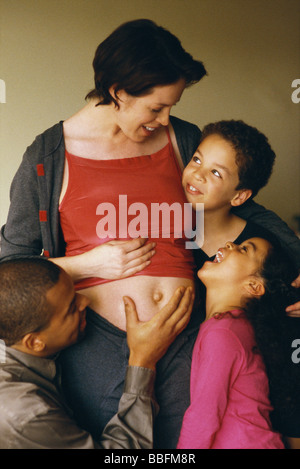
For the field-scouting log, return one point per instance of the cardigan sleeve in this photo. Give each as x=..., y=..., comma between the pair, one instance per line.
x=32, y=226
x=188, y=137
x=21, y=235
x=266, y=218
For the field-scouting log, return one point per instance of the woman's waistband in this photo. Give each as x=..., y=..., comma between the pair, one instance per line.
x=102, y=323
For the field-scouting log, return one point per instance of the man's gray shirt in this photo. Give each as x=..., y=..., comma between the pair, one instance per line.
x=33, y=414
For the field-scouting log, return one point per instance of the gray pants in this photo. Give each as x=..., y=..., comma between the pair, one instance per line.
x=93, y=374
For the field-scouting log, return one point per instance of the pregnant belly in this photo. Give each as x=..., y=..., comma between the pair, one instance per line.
x=150, y=294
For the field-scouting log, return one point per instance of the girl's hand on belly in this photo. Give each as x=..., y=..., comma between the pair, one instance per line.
x=115, y=259
x=149, y=341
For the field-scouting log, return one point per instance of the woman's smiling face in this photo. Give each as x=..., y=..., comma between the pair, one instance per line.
x=141, y=117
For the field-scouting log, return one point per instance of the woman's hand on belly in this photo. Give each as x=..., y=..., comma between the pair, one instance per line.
x=150, y=295
x=149, y=341
x=112, y=260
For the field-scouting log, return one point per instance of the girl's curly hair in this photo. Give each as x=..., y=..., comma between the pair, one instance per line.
x=272, y=328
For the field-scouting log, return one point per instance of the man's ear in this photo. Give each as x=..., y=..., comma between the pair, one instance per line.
x=241, y=197
x=33, y=342
x=255, y=287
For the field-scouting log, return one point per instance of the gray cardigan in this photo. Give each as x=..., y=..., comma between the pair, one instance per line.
x=33, y=226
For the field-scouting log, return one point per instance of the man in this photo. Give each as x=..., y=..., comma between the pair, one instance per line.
x=40, y=314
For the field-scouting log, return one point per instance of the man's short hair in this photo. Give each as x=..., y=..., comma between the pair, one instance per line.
x=24, y=283
x=254, y=155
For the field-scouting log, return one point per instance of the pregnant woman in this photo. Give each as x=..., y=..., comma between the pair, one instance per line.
x=120, y=143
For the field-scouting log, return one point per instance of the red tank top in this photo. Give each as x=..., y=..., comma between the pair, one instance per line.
x=126, y=198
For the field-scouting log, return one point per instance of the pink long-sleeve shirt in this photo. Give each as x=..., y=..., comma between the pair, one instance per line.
x=229, y=390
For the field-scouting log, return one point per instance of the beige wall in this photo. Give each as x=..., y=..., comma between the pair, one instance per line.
x=250, y=49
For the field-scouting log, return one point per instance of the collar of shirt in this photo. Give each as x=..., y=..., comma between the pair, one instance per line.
x=45, y=367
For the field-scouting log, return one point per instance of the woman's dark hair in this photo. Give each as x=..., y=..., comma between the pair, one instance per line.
x=274, y=331
x=139, y=55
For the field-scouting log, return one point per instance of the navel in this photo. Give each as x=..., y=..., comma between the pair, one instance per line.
x=157, y=296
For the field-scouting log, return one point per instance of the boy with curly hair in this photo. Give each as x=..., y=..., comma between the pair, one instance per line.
x=231, y=164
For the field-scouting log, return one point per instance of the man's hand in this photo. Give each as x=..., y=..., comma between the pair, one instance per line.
x=294, y=310
x=149, y=341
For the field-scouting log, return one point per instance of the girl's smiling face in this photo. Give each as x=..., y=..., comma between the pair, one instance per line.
x=234, y=264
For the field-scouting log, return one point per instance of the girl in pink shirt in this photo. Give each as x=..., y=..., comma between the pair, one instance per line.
x=230, y=406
